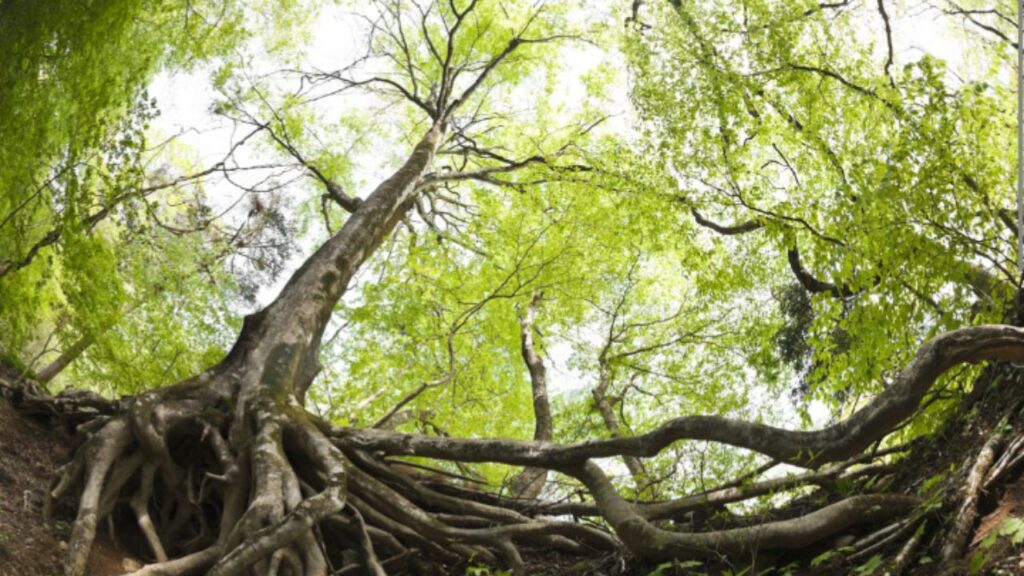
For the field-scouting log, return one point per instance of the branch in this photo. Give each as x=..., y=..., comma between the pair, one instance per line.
x=801, y=448
x=822, y=6
x=511, y=47
x=724, y=229
x=334, y=192
x=839, y=78
x=810, y=282
x=385, y=421
x=484, y=174
x=970, y=14
x=888, y=40
x=806, y=279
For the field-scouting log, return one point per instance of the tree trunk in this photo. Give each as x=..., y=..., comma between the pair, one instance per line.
x=264, y=465
x=529, y=483
x=51, y=370
x=611, y=422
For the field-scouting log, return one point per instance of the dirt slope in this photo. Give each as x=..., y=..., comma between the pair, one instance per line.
x=30, y=453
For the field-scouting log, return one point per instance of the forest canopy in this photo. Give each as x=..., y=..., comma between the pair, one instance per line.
x=446, y=276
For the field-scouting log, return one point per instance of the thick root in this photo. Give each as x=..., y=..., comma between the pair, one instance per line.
x=99, y=455
x=260, y=488
x=264, y=491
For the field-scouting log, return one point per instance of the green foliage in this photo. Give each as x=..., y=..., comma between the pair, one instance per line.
x=829, y=555
x=81, y=256
x=869, y=567
x=1012, y=528
x=756, y=111
x=676, y=567
x=787, y=122
x=484, y=570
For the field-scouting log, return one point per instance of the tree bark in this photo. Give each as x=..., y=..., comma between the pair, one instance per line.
x=51, y=370
x=530, y=482
x=611, y=422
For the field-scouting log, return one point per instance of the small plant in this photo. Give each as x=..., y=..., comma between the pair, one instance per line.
x=787, y=570
x=1012, y=528
x=828, y=555
x=675, y=566
x=61, y=527
x=870, y=567
x=483, y=570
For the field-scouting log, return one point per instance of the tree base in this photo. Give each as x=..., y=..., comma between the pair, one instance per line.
x=261, y=489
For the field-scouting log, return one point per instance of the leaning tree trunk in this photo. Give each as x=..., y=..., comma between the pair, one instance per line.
x=51, y=370
x=226, y=472
x=530, y=482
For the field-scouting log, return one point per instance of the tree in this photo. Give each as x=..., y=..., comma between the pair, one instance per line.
x=505, y=226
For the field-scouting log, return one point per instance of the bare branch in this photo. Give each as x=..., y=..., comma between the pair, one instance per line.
x=810, y=282
x=888, y=41
x=726, y=229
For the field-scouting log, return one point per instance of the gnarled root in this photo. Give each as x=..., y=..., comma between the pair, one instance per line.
x=229, y=480
x=259, y=489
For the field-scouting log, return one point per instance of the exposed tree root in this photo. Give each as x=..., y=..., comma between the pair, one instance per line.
x=265, y=491
x=227, y=482
x=959, y=532
x=647, y=541
x=902, y=559
x=1012, y=456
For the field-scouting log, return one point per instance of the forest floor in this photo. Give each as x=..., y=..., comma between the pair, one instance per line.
x=30, y=454
x=995, y=404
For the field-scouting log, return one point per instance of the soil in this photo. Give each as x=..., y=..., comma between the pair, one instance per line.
x=30, y=453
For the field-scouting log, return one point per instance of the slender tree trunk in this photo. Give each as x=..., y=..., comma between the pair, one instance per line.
x=51, y=370
x=530, y=482
x=611, y=422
